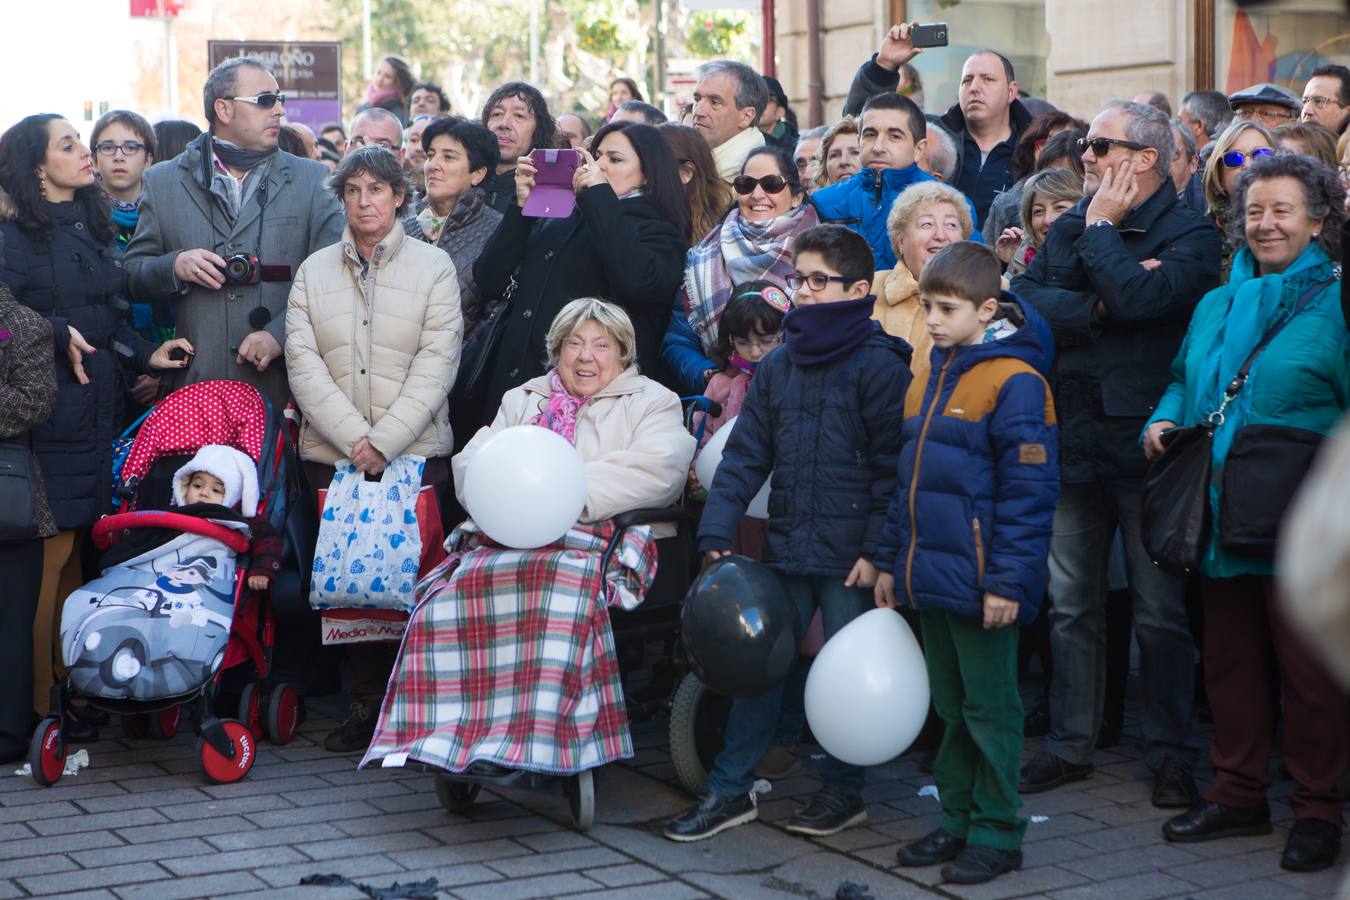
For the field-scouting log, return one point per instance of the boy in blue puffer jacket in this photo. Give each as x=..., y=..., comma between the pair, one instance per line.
x=823, y=414
x=980, y=470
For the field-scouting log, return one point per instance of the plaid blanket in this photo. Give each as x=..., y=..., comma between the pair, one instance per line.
x=509, y=656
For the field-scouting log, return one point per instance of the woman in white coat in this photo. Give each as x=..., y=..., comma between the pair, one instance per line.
x=373, y=334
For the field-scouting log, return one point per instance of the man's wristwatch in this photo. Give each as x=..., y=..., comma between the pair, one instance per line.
x=1100, y=222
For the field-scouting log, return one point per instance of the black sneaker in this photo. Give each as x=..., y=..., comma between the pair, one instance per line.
x=828, y=812
x=710, y=815
x=929, y=850
x=1036, y=723
x=1313, y=845
x=356, y=731
x=1173, y=786
x=1046, y=771
x=977, y=864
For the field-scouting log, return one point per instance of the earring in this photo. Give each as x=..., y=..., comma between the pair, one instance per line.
x=42, y=185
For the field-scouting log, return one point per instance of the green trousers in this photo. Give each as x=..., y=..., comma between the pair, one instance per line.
x=972, y=674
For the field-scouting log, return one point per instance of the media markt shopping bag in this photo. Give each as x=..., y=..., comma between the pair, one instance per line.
x=369, y=547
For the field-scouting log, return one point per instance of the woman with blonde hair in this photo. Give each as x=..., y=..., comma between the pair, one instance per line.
x=925, y=218
x=1234, y=149
x=1046, y=195
x=839, y=153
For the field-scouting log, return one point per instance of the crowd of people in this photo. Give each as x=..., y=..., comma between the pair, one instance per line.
x=954, y=343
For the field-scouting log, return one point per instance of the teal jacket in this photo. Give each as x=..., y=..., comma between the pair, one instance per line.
x=1301, y=379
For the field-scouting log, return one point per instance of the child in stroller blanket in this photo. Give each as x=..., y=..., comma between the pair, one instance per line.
x=222, y=476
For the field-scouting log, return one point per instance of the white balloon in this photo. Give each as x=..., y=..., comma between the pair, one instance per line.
x=710, y=457
x=867, y=694
x=526, y=487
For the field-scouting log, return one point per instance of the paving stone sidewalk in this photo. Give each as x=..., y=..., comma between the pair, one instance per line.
x=143, y=822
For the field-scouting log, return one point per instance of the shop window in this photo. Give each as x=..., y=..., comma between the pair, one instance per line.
x=1278, y=42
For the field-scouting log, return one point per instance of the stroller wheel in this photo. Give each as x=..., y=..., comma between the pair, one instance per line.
x=222, y=769
x=698, y=723
x=250, y=710
x=580, y=791
x=47, y=752
x=164, y=723
x=456, y=796
x=136, y=725
x=283, y=713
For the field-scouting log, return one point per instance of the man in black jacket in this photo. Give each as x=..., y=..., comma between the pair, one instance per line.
x=1117, y=279
x=986, y=123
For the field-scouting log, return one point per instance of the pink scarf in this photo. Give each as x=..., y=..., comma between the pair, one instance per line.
x=376, y=97
x=561, y=415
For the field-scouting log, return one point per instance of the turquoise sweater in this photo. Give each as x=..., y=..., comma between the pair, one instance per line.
x=1301, y=379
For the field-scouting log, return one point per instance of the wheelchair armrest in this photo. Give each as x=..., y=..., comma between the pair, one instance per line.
x=651, y=516
x=625, y=520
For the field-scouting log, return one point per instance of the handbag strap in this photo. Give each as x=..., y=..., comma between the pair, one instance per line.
x=1216, y=418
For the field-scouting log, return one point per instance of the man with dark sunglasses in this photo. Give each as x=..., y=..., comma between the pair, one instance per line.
x=231, y=196
x=893, y=134
x=1117, y=279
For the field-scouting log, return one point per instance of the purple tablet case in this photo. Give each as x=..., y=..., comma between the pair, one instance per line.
x=552, y=197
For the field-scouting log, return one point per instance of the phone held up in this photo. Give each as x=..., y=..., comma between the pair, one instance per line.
x=552, y=196
x=929, y=35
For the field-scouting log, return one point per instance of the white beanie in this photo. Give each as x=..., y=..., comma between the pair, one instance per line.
x=234, y=469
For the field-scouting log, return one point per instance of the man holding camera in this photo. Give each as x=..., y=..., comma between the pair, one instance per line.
x=223, y=228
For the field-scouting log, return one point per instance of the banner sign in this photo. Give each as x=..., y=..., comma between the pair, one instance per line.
x=309, y=74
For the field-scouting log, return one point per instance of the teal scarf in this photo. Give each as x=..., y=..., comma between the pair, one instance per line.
x=1257, y=305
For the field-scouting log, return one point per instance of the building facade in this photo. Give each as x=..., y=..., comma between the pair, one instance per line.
x=1075, y=53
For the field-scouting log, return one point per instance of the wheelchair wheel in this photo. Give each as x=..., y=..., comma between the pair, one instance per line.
x=698, y=725
x=456, y=796
x=580, y=791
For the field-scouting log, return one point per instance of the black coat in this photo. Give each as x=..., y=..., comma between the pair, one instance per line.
x=829, y=437
x=73, y=281
x=1112, y=366
x=499, y=191
x=618, y=250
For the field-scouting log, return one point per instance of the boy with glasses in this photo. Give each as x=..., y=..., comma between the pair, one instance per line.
x=823, y=415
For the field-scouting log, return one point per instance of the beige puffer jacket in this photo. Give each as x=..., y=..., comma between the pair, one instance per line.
x=374, y=356
x=631, y=438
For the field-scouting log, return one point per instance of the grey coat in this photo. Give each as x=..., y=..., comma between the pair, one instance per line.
x=465, y=233
x=179, y=213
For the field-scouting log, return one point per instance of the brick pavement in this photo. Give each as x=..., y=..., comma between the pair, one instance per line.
x=143, y=822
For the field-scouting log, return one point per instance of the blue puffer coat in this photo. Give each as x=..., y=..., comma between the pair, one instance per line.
x=979, y=475
x=830, y=435
x=862, y=203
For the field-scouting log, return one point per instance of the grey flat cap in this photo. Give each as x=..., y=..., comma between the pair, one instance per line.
x=1267, y=93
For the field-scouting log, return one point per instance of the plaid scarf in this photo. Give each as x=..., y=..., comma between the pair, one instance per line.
x=734, y=253
x=509, y=656
x=560, y=417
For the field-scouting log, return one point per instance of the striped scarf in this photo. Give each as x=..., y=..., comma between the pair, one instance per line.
x=736, y=252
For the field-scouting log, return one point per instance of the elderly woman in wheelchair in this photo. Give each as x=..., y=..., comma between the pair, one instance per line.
x=508, y=672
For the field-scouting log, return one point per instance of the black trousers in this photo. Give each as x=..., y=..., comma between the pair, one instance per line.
x=21, y=574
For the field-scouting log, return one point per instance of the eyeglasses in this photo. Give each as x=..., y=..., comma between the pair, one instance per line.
x=818, y=281
x=1236, y=159
x=742, y=345
x=1320, y=102
x=265, y=100
x=360, y=141
x=128, y=148
x=772, y=184
x=1246, y=113
x=1101, y=146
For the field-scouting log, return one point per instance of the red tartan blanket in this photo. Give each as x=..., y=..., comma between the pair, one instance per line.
x=509, y=656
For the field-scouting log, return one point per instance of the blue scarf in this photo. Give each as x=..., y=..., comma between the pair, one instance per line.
x=125, y=215
x=1258, y=304
x=824, y=332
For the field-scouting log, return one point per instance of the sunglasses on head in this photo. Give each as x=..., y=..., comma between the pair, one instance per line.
x=1236, y=159
x=1101, y=146
x=265, y=100
x=772, y=184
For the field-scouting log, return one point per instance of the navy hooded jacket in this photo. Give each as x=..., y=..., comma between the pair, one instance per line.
x=978, y=476
x=829, y=434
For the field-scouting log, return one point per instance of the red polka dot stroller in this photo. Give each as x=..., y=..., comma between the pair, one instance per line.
x=152, y=638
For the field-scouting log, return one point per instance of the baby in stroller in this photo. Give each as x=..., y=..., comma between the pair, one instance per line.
x=155, y=624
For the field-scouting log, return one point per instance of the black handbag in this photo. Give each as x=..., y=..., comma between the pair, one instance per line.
x=476, y=356
x=1176, y=513
x=1176, y=499
x=1261, y=474
x=18, y=493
